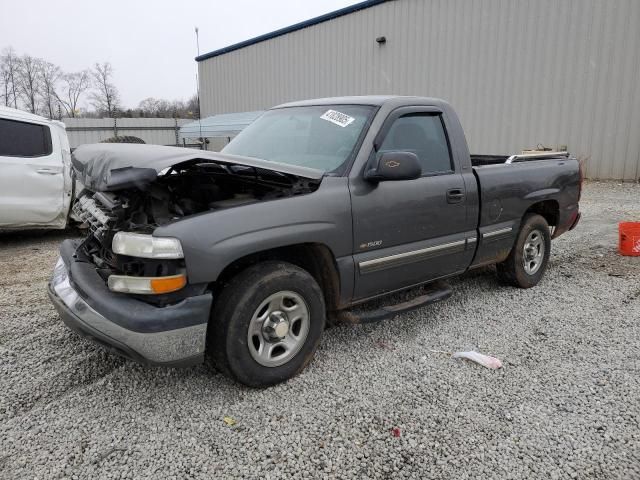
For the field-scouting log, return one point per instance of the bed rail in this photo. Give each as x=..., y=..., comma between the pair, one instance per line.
x=538, y=156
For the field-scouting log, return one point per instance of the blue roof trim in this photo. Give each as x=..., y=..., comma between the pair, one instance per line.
x=292, y=28
x=222, y=125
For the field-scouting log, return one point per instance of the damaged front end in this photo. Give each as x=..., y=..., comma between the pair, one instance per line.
x=137, y=199
x=129, y=289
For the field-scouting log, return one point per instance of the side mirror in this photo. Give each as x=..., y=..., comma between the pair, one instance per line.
x=395, y=166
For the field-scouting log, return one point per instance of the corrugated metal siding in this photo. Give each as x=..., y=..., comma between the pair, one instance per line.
x=156, y=131
x=518, y=72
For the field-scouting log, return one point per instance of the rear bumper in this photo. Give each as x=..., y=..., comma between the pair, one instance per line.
x=575, y=222
x=147, y=335
x=568, y=221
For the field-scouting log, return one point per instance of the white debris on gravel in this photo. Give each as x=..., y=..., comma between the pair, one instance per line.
x=375, y=403
x=479, y=358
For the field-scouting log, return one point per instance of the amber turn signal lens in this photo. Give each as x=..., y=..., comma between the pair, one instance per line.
x=168, y=284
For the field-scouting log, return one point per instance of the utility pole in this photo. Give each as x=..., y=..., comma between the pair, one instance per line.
x=204, y=144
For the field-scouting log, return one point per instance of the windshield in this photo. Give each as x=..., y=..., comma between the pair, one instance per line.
x=320, y=137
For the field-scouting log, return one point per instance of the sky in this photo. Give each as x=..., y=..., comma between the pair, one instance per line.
x=150, y=44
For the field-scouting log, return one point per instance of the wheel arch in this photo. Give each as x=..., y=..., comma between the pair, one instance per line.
x=315, y=258
x=548, y=209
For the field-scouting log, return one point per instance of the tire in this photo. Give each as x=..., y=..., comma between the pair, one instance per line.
x=245, y=335
x=123, y=139
x=528, y=259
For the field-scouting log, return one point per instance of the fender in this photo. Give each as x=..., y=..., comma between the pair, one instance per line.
x=213, y=240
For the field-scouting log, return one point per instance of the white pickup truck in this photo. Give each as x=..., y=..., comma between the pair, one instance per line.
x=36, y=187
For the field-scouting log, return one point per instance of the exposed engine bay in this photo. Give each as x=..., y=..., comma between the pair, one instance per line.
x=179, y=191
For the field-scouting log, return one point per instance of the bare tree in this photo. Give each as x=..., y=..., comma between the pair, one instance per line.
x=155, y=107
x=150, y=107
x=10, y=62
x=5, y=82
x=30, y=81
x=106, y=98
x=193, y=107
x=74, y=85
x=50, y=75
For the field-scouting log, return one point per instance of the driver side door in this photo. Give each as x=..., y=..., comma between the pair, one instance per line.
x=408, y=232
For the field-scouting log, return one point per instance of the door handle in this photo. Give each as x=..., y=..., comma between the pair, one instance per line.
x=455, y=195
x=48, y=171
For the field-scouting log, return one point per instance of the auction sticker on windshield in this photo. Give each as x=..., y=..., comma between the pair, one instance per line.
x=340, y=119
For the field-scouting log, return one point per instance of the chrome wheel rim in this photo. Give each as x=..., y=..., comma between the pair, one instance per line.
x=533, y=252
x=278, y=329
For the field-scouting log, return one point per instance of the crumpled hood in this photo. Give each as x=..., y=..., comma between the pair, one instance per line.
x=107, y=167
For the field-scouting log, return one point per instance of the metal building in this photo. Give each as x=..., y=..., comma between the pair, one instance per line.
x=519, y=72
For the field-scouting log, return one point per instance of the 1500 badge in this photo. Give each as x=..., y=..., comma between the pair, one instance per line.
x=376, y=243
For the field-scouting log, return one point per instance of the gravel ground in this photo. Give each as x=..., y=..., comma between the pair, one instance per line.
x=565, y=405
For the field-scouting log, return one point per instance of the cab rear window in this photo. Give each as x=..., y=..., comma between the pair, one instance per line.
x=22, y=139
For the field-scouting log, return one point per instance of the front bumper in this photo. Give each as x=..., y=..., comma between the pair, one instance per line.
x=151, y=337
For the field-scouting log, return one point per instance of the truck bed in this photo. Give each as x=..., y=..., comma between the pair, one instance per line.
x=484, y=160
x=508, y=186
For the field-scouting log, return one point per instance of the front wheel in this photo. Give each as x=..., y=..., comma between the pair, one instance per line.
x=266, y=324
x=527, y=262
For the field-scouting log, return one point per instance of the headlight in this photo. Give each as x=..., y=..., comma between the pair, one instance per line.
x=146, y=246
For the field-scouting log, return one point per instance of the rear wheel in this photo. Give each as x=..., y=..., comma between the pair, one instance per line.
x=527, y=262
x=266, y=324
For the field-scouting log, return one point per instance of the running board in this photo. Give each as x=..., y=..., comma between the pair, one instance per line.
x=435, y=292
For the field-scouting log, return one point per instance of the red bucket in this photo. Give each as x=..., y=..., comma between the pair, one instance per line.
x=629, y=243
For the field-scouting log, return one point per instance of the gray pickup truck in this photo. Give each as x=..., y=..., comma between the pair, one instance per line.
x=316, y=211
